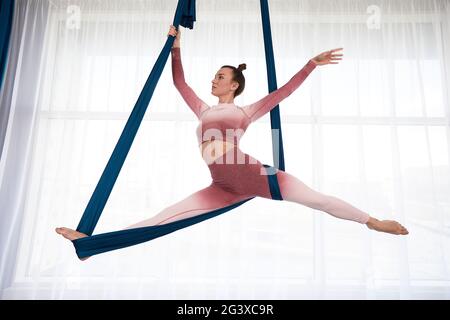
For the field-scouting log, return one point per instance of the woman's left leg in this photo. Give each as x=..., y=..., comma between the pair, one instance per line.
x=294, y=190
x=248, y=179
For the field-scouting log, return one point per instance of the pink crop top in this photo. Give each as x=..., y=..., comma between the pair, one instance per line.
x=226, y=121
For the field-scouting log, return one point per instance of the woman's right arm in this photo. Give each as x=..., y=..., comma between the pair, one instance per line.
x=193, y=101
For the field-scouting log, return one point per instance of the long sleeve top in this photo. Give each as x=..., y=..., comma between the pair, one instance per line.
x=227, y=121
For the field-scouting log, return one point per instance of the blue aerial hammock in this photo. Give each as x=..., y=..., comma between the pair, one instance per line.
x=6, y=19
x=95, y=244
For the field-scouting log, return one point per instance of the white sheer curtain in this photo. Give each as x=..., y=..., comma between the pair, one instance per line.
x=373, y=130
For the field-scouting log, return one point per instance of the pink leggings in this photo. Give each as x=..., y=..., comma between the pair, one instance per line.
x=237, y=176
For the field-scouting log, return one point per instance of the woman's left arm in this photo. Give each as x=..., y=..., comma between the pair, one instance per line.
x=256, y=110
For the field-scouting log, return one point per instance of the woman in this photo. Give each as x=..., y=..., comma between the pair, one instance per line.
x=236, y=175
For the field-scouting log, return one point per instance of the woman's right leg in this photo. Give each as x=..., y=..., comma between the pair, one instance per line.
x=202, y=201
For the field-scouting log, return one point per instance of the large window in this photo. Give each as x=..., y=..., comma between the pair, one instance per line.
x=373, y=131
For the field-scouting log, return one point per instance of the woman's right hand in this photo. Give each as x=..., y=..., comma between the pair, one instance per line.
x=174, y=33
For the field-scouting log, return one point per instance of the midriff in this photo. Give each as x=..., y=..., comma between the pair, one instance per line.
x=214, y=149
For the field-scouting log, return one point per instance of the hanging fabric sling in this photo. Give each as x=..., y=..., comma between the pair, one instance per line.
x=95, y=244
x=6, y=20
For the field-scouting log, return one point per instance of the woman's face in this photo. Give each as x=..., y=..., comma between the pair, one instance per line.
x=222, y=83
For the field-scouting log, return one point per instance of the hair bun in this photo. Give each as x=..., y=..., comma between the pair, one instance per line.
x=242, y=67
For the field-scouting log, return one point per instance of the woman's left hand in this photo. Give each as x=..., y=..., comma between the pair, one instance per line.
x=328, y=57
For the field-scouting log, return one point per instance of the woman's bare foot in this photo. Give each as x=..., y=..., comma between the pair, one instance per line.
x=388, y=226
x=71, y=235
